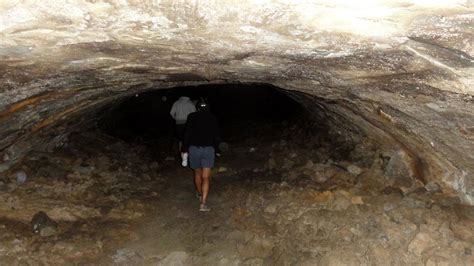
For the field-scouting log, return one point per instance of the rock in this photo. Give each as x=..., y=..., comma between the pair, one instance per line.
x=20, y=177
x=127, y=256
x=258, y=170
x=448, y=201
x=322, y=197
x=222, y=169
x=176, y=258
x=13, y=203
x=321, y=172
x=271, y=209
x=437, y=261
x=73, y=213
x=3, y=187
x=271, y=164
x=252, y=149
x=354, y=170
x=432, y=187
x=48, y=231
x=308, y=262
x=465, y=211
x=4, y=167
x=229, y=262
x=420, y=243
x=236, y=235
x=463, y=229
x=154, y=165
x=253, y=262
x=398, y=169
x=357, y=200
x=338, y=257
x=380, y=254
x=5, y=156
x=224, y=146
x=18, y=246
x=341, y=200
x=256, y=248
x=389, y=206
x=287, y=163
x=413, y=203
x=392, y=190
x=83, y=168
x=309, y=165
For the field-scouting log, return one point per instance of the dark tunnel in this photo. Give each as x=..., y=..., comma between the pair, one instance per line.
x=242, y=111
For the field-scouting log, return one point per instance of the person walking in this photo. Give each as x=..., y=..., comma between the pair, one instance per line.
x=201, y=140
x=179, y=112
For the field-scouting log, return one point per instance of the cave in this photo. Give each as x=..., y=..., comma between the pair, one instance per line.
x=347, y=129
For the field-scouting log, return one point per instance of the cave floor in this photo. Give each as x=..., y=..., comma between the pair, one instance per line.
x=273, y=203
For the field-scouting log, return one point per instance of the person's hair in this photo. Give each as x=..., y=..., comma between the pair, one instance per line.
x=202, y=105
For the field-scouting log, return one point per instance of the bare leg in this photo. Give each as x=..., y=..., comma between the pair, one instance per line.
x=198, y=180
x=206, y=176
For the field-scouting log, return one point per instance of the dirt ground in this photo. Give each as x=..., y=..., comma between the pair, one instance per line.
x=276, y=199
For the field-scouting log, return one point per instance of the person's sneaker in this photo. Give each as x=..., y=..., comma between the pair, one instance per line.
x=204, y=208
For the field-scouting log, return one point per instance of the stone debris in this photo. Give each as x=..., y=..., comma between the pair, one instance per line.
x=222, y=169
x=353, y=169
x=176, y=258
x=398, y=170
x=83, y=194
x=299, y=208
x=357, y=200
x=420, y=243
x=224, y=147
x=21, y=177
x=432, y=187
x=73, y=213
x=127, y=257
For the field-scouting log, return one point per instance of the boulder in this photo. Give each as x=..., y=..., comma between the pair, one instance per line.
x=176, y=258
x=421, y=242
x=354, y=170
x=398, y=169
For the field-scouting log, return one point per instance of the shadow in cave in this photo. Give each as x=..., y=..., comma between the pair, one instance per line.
x=244, y=112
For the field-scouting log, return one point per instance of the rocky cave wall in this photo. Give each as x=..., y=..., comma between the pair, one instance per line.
x=398, y=72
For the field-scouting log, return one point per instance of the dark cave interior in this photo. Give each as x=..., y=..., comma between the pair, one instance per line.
x=240, y=110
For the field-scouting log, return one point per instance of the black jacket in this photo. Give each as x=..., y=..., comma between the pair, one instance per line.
x=201, y=130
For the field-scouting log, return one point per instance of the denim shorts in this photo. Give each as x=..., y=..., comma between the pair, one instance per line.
x=201, y=157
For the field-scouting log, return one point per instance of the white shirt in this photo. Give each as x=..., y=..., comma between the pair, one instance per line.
x=181, y=109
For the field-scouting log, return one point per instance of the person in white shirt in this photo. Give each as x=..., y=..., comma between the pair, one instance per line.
x=179, y=112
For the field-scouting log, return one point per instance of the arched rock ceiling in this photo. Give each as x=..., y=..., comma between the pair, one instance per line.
x=399, y=70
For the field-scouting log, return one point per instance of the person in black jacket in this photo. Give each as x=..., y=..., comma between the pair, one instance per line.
x=201, y=140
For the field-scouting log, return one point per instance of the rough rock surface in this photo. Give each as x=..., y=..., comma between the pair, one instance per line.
x=398, y=71
x=119, y=203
